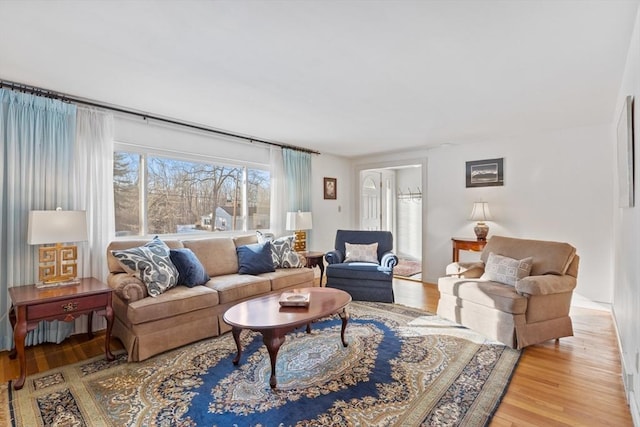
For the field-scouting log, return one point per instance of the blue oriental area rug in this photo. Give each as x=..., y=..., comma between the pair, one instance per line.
x=403, y=367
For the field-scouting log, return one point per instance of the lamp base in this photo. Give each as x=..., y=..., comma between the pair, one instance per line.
x=300, y=242
x=481, y=229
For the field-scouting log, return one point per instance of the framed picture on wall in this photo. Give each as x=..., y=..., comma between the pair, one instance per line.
x=330, y=188
x=485, y=173
x=625, y=155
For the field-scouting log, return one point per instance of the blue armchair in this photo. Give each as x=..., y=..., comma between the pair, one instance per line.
x=365, y=281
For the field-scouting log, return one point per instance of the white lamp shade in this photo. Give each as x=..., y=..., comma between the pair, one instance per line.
x=480, y=212
x=299, y=221
x=56, y=227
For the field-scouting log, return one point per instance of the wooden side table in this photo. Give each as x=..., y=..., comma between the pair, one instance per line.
x=314, y=259
x=465, y=244
x=31, y=305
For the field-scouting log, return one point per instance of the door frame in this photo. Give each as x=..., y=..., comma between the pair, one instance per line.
x=422, y=161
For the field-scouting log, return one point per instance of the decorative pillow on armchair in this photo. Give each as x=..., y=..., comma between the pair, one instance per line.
x=150, y=263
x=255, y=258
x=191, y=272
x=362, y=253
x=506, y=270
x=283, y=254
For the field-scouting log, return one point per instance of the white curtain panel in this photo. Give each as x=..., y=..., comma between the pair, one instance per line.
x=92, y=191
x=278, y=192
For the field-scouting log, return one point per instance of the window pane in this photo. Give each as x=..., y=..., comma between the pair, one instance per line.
x=258, y=199
x=126, y=188
x=184, y=196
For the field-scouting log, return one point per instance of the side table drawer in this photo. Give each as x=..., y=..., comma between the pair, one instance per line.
x=70, y=306
x=469, y=246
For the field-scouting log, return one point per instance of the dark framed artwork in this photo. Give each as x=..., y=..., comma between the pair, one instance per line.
x=330, y=188
x=485, y=173
x=626, y=155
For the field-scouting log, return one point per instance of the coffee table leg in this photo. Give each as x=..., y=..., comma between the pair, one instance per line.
x=236, y=337
x=344, y=315
x=272, y=340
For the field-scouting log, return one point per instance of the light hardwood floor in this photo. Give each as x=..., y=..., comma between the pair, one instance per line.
x=573, y=382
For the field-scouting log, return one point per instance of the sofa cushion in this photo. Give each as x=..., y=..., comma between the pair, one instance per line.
x=255, y=258
x=361, y=253
x=150, y=263
x=175, y=301
x=289, y=277
x=217, y=254
x=482, y=292
x=548, y=257
x=236, y=287
x=359, y=270
x=190, y=270
x=506, y=270
x=246, y=240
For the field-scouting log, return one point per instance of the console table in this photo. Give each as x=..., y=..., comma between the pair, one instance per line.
x=31, y=305
x=466, y=244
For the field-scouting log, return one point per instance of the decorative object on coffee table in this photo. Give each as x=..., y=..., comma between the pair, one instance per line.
x=294, y=299
x=480, y=213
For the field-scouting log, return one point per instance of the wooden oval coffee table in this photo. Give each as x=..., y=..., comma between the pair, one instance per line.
x=265, y=315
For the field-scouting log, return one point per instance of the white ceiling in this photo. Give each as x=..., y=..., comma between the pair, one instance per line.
x=342, y=77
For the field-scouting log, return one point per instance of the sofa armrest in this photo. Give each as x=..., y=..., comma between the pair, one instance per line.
x=389, y=260
x=334, y=257
x=127, y=287
x=546, y=284
x=468, y=270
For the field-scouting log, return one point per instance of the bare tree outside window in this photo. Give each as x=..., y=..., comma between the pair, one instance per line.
x=185, y=196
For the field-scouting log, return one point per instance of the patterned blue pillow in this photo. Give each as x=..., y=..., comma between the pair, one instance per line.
x=191, y=272
x=283, y=254
x=151, y=264
x=255, y=259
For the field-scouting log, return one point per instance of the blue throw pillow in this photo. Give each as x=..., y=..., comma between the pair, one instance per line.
x=255, y=259
x=191, y=272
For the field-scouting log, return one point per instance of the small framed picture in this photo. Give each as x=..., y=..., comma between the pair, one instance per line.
x=330, y=188
x=485, y=173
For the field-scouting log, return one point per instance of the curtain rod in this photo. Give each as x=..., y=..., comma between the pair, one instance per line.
x=77, y=100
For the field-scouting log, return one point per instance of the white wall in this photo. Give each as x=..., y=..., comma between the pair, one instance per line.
x=330, y=215
x=558, y=186
x=626, y=293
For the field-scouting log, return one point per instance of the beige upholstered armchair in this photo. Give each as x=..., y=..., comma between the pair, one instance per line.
x=518, y=294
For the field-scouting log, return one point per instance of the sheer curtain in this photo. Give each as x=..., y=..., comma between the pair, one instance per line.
x=297, y=170
x=37, y=136
x=92, y=190
x=278, y=206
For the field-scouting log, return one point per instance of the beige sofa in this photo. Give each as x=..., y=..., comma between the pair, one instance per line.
x=181, y=315
x=536, y=309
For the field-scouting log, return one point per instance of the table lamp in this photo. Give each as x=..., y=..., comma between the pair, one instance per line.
x=58, y=264
x=299, y=222
x=480, y=213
